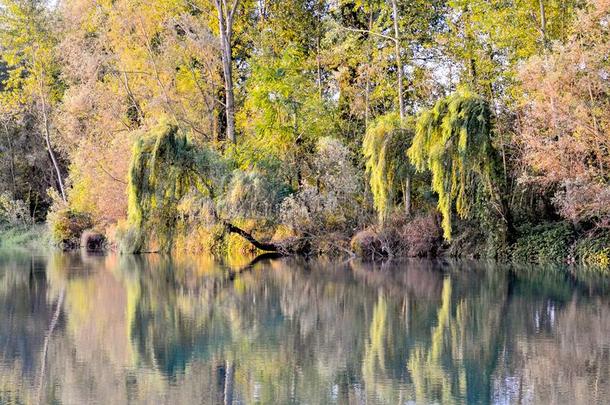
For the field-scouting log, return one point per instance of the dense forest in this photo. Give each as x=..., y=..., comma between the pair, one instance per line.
x=377, y=128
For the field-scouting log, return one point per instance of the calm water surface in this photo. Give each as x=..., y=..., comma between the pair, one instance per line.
x=78, y=329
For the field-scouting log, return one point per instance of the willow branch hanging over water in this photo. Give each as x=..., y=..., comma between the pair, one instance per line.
x=453, y=141
x=165, y=169
x=383, y=147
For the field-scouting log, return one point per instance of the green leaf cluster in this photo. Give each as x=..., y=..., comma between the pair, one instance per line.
x=165, y=166
x=453, y=141
x=383, y=147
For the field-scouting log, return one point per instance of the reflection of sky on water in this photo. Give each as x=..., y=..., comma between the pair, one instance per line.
x=155, y=330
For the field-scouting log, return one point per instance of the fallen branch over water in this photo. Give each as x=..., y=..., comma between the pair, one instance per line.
x=265, y=246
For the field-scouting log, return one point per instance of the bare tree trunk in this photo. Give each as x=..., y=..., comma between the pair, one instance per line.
x=226, y=14
x=47, y=137
x=267, y=247
x=407, y=195
x=367, y=90
x=401, y=102
x=543, y=24
x=11, y=152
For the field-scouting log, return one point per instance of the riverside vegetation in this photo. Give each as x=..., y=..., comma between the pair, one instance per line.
x=376, y=128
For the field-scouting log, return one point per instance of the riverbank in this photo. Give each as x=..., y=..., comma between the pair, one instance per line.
x=417, y=236
x=557, y=242
x=24, y=236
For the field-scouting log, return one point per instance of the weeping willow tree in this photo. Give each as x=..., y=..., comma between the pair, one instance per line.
x=389, y=172
x=165, y=168
x=453, y=141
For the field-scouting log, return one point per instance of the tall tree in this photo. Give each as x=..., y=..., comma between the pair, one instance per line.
x=564, y=136
x=383, y=147
x=226, y=17
x=398, y=56
x=28, y=44
x=453, y=141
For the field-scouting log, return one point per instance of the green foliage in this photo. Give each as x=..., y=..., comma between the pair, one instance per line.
x=384, y=147
x=544, y=243
x=177, y=188
x=253, y=194
x=13, y=212
x=594, y=250
x=483, y=29
x=24, y=236
x=91, y=76
x=453, y=141
x=165, y=167
x=28, y=48
x=283, y=114
x=129, y=239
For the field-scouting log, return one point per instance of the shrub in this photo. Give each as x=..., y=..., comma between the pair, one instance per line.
x=594, y=250
x=422, y=236
x=328, y=201
x=366, y=244
x=544, y=243
x=418, y=237
x=13, y=212
x=253, y=194
x=67, y=226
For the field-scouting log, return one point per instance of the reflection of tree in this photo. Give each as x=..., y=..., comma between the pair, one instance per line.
x=155, y=329
x=374, y=367
x=457, y=363
x=23, y=312
x=431, y=379
x=561, y=354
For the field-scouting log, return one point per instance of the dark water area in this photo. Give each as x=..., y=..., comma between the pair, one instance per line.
x=78, y=329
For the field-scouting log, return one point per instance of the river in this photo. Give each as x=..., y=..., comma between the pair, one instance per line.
x=77, y=328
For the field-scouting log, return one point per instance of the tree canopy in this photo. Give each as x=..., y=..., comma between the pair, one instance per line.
x=453, y=141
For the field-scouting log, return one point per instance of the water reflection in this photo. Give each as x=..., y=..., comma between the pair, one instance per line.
x=112, y=329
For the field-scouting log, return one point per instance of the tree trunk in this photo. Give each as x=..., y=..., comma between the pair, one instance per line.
x=47, y=132
x=11, y=152
x=319, y=67
x=367, y=90
x=543, y=24
x=229, y=93
x=47, y=137
x=225, y=27
x=401, y=102
x=407, y=195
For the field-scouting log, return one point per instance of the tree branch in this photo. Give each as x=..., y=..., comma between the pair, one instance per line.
x=268, y=247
